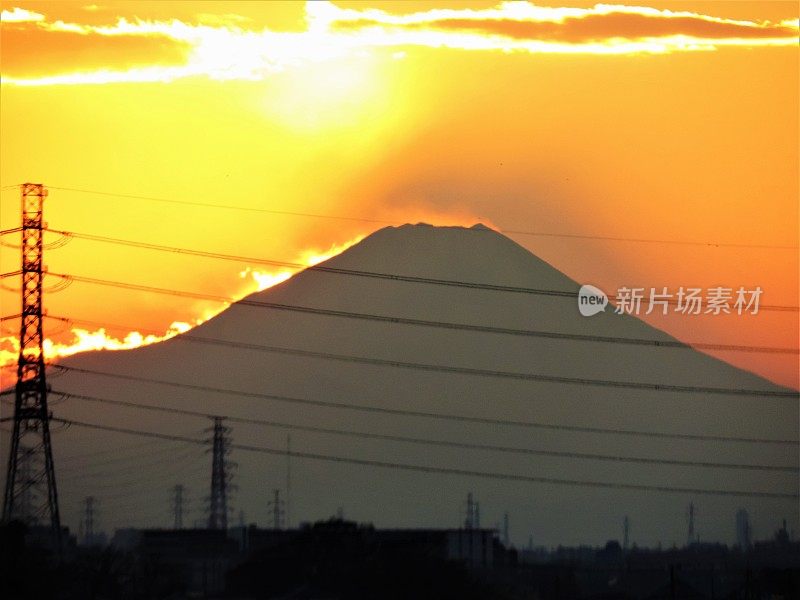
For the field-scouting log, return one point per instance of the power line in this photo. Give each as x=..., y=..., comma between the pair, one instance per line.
x=432, y=415
x=176, y=250
x=153, y=457
x=489, y=373
x=340, y=271
x=444, y=470
x=136, y=470
x=464, y=327
x=136, y=478
x=224, y=206
x=139, y=472
x=431, y=442
x=134, y=503
x=649, y=240
x=402, y=278
x=115, y=450
x=385, y=222
x=374, y=275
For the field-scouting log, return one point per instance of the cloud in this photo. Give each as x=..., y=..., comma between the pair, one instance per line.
x=598, y=28
x=39, y=52
x=176, y=49
x=525, y=26
x=37, y=49
x=20, y=15
x=222, y=20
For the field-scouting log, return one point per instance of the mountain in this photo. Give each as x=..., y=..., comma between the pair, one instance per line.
x=131, y=476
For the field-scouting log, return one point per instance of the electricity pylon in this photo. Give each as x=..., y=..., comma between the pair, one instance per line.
x=218, y=501
x=31, y=421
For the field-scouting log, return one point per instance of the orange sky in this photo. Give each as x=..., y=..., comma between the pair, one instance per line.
x=677, y=121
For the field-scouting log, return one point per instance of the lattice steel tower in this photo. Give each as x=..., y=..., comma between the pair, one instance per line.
x=31, y=431
x=218, y=501
x=89, y=512
x=178, y=499
x=276, y=507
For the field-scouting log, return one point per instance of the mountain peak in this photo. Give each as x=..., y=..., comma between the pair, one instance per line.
x=423, y=225
x=476, y=253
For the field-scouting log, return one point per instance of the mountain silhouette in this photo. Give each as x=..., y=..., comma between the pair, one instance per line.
x=444, y=275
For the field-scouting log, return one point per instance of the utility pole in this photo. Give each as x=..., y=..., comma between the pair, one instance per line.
x=177, y=506
x=31, y=421
x=277, y=512
x=690, y=538
x=218, y=501
x=506, y=541
x=88, y=520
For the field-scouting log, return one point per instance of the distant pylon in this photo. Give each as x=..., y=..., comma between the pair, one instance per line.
x=506, y=540
x=31, y=421
x=690, y=537
x=276, y=508
x=218, y=501
x=287, y=502
x=88, y=520
x=626, y=527
x=178, y=499
x=473, y=519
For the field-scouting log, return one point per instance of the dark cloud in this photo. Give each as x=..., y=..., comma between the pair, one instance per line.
x=592, y=28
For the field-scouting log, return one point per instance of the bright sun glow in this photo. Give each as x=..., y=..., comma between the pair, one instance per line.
x=337, y=93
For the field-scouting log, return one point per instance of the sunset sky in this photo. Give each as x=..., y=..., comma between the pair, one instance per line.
x=670, y=121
